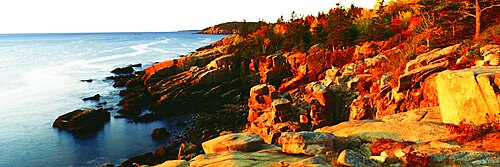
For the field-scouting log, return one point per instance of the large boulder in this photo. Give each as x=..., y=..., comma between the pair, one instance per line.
x=469, y=95
x=423, y=123
x=309, y=143
x=83, y=122
x=243, y=142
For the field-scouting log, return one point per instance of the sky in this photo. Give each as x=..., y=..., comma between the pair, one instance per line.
x=70, y=16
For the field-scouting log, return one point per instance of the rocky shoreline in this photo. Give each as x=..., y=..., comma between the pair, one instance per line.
x=208, y=79
x=291, y=123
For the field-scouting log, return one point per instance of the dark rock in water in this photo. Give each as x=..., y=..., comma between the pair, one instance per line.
x=181, y=124
x=146, y=118
x=103, y=103
x=121, y=80
x=86, y=80
x=160, y=134
x=109, y=109
x=83, y=122
x=123, y=92
x=144, y=159
x=136, y=65
x=120, y=116
x=124, y=70
x=95, y=98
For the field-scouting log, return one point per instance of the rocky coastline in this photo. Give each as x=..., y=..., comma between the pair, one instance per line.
x=293, y=94
x=294, y=110
x=227, y=95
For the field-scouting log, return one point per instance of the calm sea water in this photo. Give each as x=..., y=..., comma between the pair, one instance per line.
x=40, y=79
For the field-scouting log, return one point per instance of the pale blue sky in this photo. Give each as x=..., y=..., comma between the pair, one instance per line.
x=62, y=16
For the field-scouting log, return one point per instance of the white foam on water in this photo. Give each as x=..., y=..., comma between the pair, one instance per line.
x=138, y=50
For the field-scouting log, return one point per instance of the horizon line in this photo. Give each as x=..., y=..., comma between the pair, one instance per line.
x=97, y=32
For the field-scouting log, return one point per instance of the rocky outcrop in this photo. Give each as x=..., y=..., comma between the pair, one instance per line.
x=395, y=127
x=207, y=78
x=320, y=99
x=244, y=142
x=310, y=143
x=83, y=122
x=469, y=95
x=418, y=69
x=271, y=113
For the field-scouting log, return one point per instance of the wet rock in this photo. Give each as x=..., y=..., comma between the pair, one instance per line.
x=83, y=122
x=120, y=80
x=136, y=65
x=160, y=134
x=87, y=80
x=309, y=143
x=94, y=98
x=349, y=157
x=469, y=94
x=144, y=159
x=124, y=70
x=149, y=117
x=243, y=142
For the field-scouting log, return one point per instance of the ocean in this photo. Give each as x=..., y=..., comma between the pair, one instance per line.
x=40, y=79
